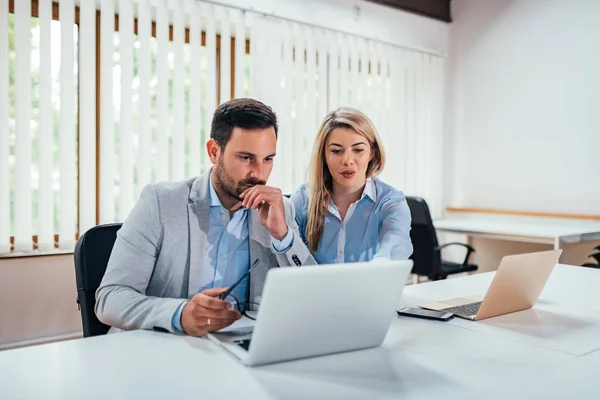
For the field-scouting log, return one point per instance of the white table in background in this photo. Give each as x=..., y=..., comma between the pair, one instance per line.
x=521, y=231
x=418, y=360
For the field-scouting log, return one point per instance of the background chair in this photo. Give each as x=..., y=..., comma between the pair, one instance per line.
x=426, y=255
x=595, y=255
x=91, y=258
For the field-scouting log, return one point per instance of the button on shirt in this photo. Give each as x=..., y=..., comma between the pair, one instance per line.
x=377, y=225
x=228, y=253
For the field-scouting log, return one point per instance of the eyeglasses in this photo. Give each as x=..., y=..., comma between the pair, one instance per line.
x=228, y=291
x=244, y=307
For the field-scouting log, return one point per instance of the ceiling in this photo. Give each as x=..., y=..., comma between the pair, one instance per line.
x=436, y=9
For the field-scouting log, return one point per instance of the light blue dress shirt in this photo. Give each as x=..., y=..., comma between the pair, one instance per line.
x=377, y=225
x=228, y=254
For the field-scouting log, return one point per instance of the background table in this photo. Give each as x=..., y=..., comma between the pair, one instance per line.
x=495, y=236
x=554, y=235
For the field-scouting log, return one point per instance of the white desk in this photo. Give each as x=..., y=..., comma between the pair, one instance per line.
x=562, y=381
x=418, y=360
x=566, y=317
x=521, y=231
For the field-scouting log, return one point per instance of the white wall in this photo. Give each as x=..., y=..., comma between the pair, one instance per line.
x=525, y=105
x=360, y=18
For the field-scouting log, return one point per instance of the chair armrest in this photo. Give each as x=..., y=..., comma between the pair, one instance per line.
x=470, y=250
x=455, y=243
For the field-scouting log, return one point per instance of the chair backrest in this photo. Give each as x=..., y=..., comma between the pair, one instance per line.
x=91, y=258
x=424, y=239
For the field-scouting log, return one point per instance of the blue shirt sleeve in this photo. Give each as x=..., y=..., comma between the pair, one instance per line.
x=176, y=320
x=300, y=201
x=394, y=236
x=285, y=243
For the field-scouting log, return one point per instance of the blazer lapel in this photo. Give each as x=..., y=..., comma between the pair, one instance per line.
x=198, y=217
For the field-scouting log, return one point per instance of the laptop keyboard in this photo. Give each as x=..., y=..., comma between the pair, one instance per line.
x=465, y=310
x=244, y=343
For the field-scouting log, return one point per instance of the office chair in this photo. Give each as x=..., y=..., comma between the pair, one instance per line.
x=596, y=256
x=427, y=255
x=91, y=258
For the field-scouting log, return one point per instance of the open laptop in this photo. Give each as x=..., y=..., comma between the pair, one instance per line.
x=318, y=310
x=516, y=286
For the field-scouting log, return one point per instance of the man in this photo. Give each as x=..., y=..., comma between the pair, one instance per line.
x=192, y=239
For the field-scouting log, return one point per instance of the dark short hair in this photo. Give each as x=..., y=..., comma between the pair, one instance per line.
x=242, y=113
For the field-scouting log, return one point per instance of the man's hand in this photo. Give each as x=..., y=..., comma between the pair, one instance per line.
x=269, y=203
x=205, y=313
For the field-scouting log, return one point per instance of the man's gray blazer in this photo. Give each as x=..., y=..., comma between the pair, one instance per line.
x=160, y=251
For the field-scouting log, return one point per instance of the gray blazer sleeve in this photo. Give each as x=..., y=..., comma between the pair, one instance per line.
x=297, y=254
x=121, y=300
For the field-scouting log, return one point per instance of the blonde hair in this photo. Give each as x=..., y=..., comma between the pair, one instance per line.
x=320, y=180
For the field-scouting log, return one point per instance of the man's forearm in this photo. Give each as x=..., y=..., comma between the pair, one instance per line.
x=127, y=309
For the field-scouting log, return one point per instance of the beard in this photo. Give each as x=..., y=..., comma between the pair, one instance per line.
x=229, y=186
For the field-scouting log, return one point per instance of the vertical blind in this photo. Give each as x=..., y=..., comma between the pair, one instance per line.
x=163, y=69
x=22, y=112
x=172, y=76
x=107, y=145
x=5, y=217
x=39, y=112
x=87, y=117
x=304, y=72
x=67, y=126
x=46, y=205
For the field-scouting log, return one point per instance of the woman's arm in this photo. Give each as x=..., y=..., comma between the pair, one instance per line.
x=394, y=236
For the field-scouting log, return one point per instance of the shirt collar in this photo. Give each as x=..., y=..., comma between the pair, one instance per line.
x=369, y=190
x=213, y=199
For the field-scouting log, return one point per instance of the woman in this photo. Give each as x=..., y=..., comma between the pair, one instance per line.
x=345, y=213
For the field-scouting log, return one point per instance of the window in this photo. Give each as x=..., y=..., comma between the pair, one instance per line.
x=148, y=142
x=41, y=44
x=135, y=101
